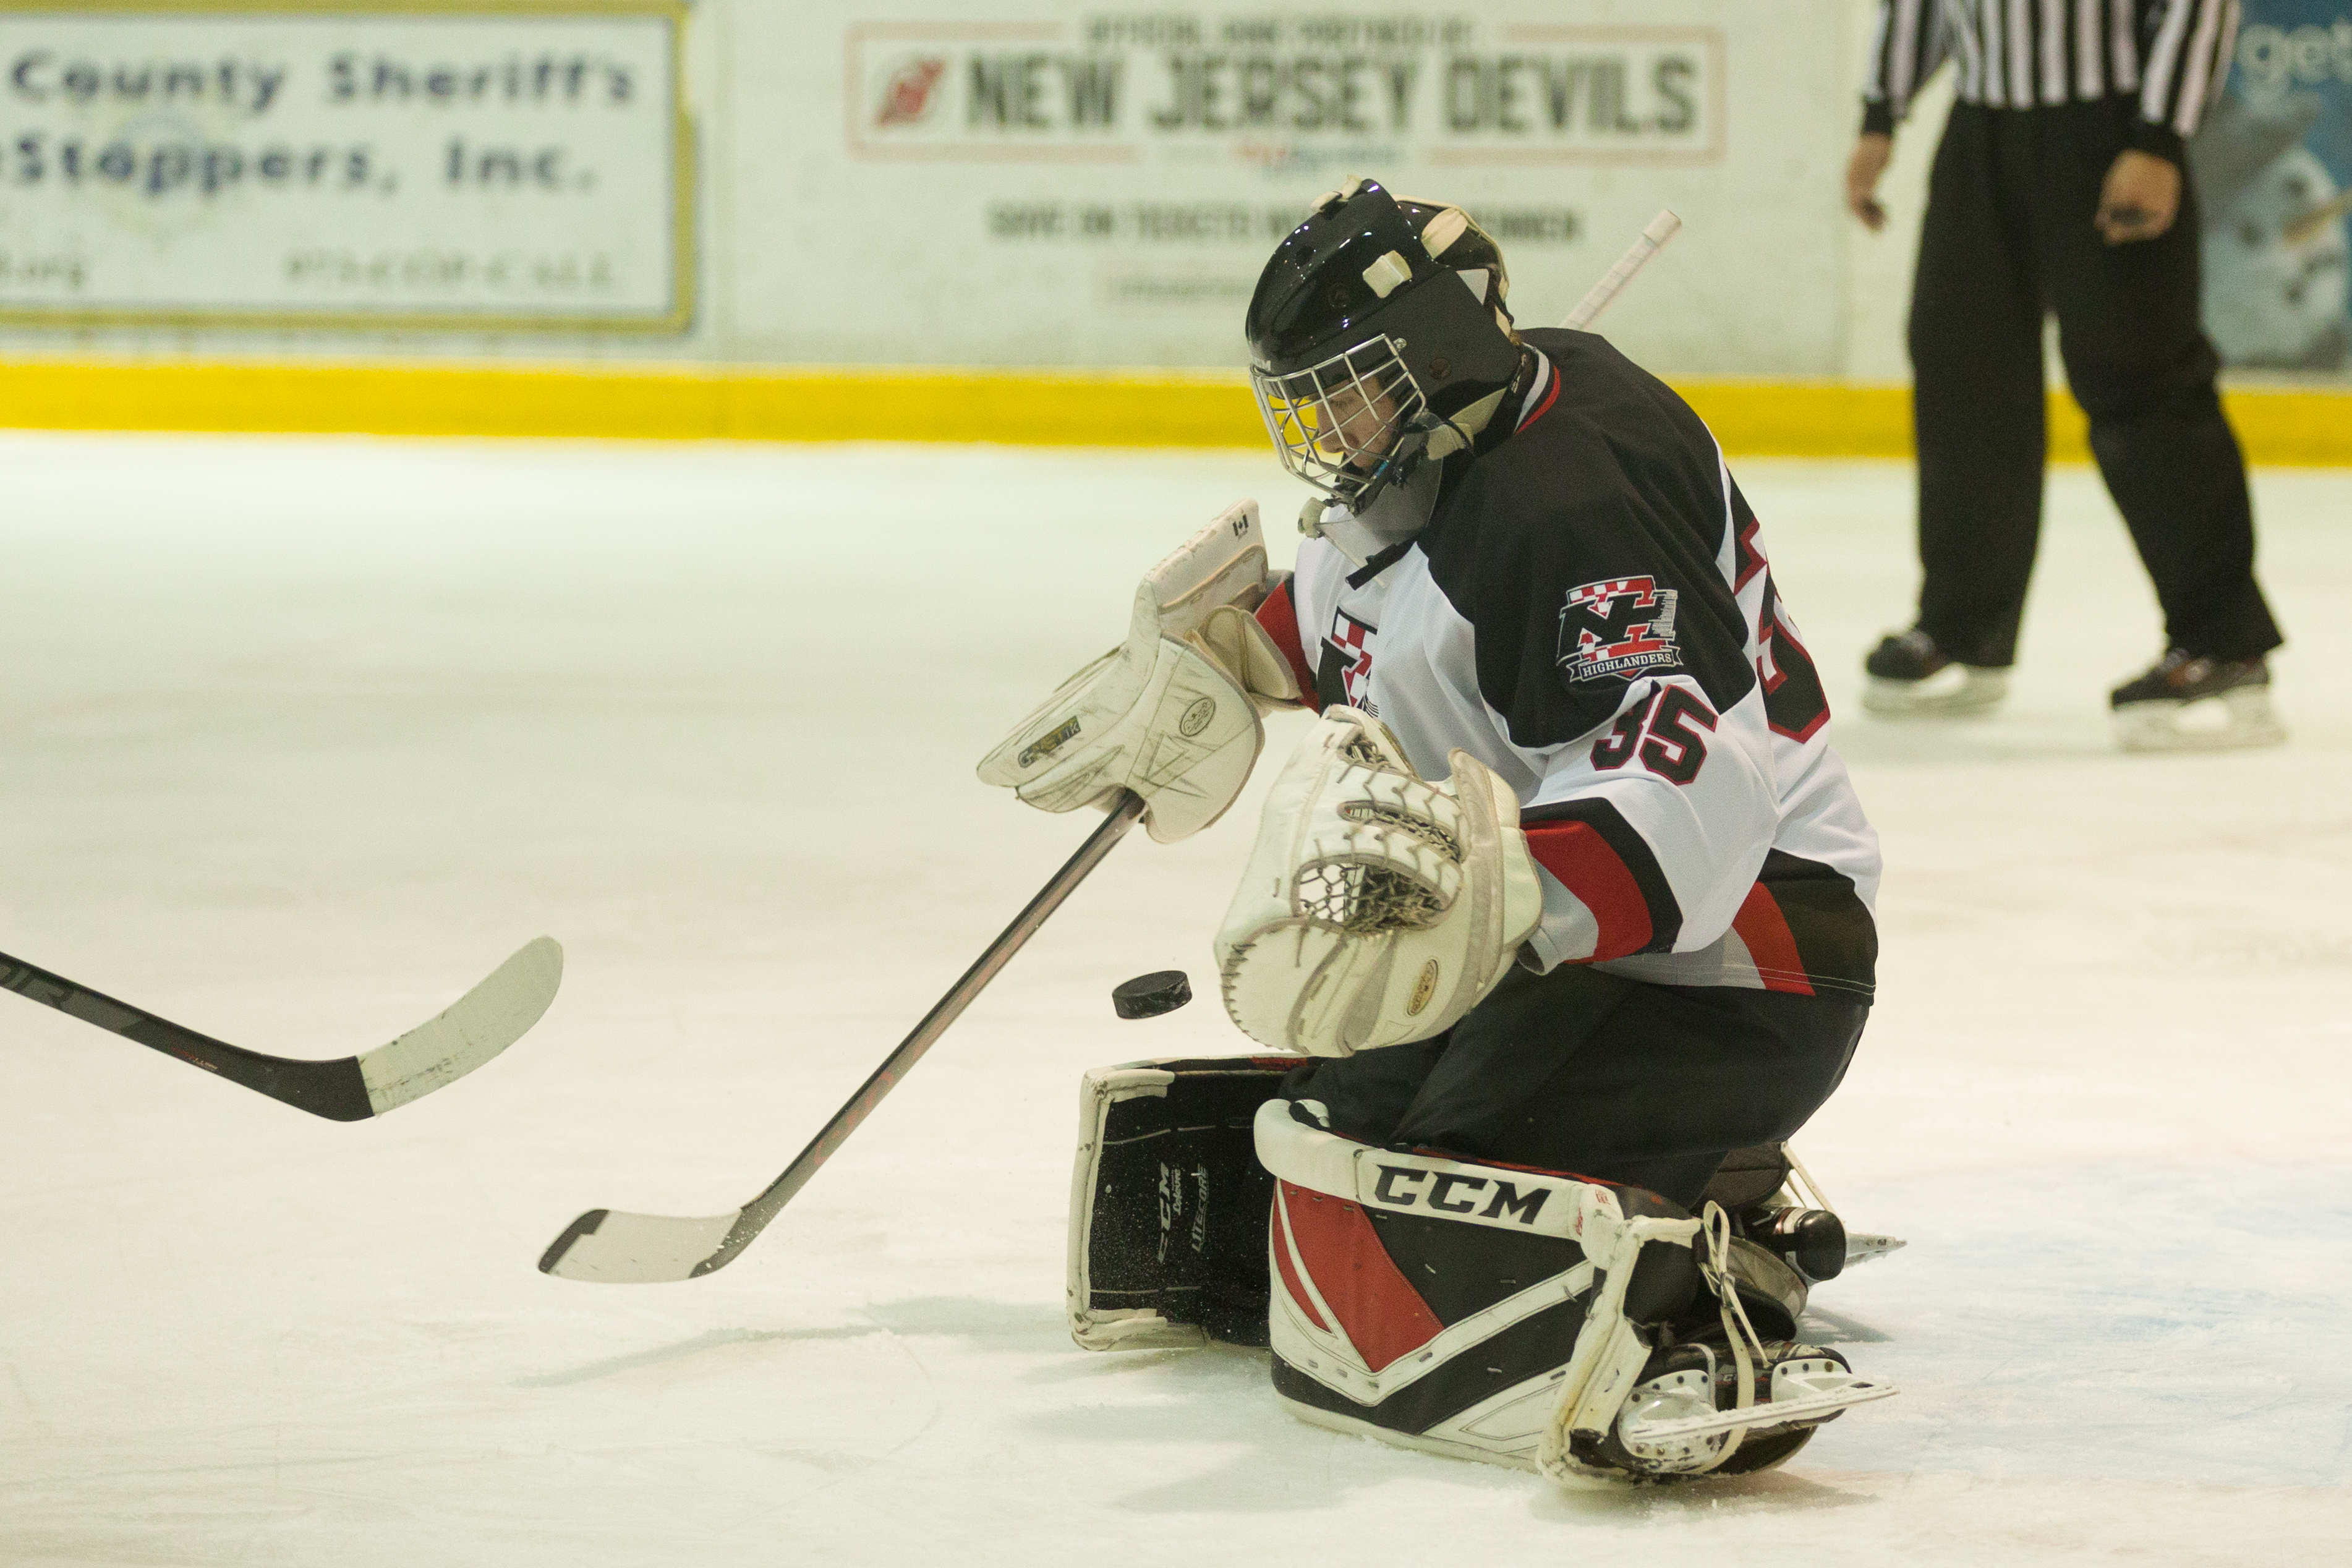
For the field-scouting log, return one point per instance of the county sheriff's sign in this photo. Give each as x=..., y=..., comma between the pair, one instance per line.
x=506, y=170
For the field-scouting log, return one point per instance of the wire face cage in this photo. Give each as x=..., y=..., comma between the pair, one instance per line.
x=1334, y=421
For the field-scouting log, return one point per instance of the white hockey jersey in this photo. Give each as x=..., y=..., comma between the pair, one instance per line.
x=1590, y=613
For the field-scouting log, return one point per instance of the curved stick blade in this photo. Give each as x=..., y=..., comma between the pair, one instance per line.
x=640, y=1249
x=479, y=1025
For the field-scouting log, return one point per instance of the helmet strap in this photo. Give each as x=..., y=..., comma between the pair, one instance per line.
x=1455, y=432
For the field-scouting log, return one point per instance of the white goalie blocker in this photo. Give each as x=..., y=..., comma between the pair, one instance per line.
x=1172, y=713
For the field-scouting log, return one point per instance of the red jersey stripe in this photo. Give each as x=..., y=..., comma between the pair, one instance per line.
x=1761, y=924
x=1577, y=855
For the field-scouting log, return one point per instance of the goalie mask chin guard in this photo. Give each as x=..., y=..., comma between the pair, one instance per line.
x=1379, y=338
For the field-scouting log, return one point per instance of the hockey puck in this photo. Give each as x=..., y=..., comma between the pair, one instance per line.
x=1149, y=995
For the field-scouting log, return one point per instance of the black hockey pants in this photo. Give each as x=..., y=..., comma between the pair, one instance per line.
x=1599, y=1076
x=2007, y=237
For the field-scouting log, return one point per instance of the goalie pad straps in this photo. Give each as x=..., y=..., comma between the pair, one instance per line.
x=1376, y=909
x=1171, y=713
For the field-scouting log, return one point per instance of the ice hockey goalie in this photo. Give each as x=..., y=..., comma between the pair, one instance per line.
x=1558, y=919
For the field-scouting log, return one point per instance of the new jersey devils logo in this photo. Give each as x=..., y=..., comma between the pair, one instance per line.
x=906, y=98
x=1614, y=629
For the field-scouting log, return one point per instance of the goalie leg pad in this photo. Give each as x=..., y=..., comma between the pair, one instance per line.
x=1527, y=1318
x=1437, y=1303
x=1168, y=1204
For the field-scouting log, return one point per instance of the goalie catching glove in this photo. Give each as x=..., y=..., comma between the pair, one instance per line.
x=1172, y=713
x=1377, y=909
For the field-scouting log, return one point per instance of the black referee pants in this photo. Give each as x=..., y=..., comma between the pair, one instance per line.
x=2006, y=239
x=1595, y=1074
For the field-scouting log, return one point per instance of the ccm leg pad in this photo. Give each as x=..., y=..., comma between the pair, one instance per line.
x=1435, y=1303
x=1168, y=1204
x=1590, y=1329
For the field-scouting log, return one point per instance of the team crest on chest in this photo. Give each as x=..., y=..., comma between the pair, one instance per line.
x=1614, y=629
x=1349, y=642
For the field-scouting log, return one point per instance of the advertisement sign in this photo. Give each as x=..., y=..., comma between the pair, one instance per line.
x=1164, y=88
x=494, y=168
x=1059, y=184
x=2273, y=166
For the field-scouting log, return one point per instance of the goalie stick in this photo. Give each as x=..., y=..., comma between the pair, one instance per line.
x=1662, y=229
x=483, y=1022
x=618, y=1249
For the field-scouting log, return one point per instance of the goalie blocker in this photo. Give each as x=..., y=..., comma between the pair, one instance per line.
x=1590, y=1329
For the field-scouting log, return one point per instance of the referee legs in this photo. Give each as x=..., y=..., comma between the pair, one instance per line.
x=2139, y=363
x=1977, y=409
x=2008, y=235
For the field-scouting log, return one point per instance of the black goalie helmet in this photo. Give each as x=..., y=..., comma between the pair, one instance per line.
x=1378, y=337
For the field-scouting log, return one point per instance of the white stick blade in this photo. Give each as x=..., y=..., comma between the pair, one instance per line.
x=612, y=1248
x=477, y=1026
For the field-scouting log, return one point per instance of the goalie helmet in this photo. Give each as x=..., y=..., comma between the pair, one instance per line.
x=1379, y=338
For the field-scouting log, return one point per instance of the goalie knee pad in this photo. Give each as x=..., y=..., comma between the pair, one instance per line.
x=1168, y=1204
x=1537, y=1319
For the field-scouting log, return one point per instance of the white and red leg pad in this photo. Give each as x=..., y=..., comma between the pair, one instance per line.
x=1438, y=1303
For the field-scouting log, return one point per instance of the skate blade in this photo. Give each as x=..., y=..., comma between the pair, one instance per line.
x=2231, y=722
x=1952, y=692
x=1822, y=1396
x=1863, y=1247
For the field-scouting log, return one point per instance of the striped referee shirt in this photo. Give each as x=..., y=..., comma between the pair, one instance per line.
x=2171, y=54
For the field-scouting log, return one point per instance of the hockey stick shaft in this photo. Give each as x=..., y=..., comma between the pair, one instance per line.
x=945, y=1012
x=339, y=1096
x=1662, y=229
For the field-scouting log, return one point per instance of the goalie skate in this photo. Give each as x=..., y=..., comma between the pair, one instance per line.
x=1809, y=1385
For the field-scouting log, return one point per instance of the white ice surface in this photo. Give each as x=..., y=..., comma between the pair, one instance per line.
x=298, y=737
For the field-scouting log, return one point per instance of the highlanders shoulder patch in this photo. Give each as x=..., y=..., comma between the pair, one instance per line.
x=1616, y=629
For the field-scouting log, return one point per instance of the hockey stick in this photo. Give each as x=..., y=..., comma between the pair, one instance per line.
x=1662, y=227
x=483, y=1022
x=615, y=1248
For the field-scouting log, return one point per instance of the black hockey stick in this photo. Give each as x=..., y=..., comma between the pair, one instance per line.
x=617, y=1248
x=481, y=1023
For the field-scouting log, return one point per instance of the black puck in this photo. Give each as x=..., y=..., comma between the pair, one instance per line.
x=1149, y=995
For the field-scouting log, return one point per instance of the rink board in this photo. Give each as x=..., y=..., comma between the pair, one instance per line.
x=1036, y=407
